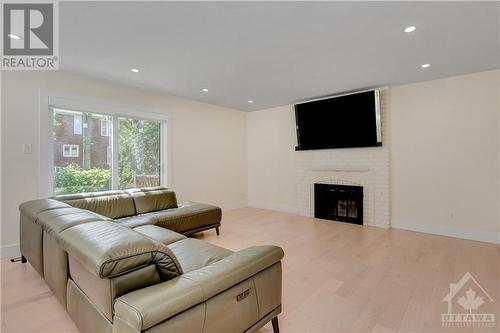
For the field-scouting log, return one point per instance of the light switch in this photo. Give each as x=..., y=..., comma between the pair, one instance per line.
x=27, y=148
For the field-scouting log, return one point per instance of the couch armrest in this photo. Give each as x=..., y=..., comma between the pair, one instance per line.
x=144, y=308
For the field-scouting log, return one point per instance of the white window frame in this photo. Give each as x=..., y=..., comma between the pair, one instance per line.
x=71, y=147
x=109, y=152
x=77, y=125
x=49, y=100
x=105, y=127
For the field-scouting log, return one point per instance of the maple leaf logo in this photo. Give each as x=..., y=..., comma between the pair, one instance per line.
x=470, y=301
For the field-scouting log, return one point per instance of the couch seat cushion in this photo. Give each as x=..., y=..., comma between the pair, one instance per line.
x=188, y=216
x=137, y=220
x=193, y=253
x=160, y=234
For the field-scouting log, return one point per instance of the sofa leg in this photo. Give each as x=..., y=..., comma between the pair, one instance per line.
x=276, y=328
x=22, y=259
x=217, y=231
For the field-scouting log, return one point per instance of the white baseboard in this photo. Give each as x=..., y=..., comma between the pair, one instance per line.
x=464, y=233
x=278, y=207
x=234, y=205
x=8, y=251
x=294, y=210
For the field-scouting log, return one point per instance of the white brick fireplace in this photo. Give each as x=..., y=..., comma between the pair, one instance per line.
x=367, y=167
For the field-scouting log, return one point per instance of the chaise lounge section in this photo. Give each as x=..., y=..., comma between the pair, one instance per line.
x=113, y=276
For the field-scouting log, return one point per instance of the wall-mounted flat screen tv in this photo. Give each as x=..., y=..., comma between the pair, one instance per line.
x=344, y=121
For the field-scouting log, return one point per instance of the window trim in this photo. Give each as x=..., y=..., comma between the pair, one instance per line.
x=105, y=124
x=77, y=125
x=50, y=100
x=70, y=146
x=109, y=152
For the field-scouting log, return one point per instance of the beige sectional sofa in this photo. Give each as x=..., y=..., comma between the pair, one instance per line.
x=134, y=274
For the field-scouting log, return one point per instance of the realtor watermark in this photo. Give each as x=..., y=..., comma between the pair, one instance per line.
x=469, y=305
x=30, y=38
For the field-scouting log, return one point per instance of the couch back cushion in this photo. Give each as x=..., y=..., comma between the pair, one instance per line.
x=55, y=221
x=32, y=208
x=114, y=204
x=152, y=200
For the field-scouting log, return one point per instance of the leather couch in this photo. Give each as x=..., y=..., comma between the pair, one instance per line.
x=152, y=205
x=115, y=276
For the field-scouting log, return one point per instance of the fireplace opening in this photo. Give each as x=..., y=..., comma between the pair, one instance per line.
x=338, y=203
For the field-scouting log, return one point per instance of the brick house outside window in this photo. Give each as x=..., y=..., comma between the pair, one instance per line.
x=79, y=139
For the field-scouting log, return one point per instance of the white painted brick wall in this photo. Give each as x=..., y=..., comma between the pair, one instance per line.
x=368, y=167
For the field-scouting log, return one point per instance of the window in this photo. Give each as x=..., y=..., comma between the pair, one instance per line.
x=138, y=153
x=88, y=169
x=71, y=150
x=77, y=124
x=109, y=155
x=105, y=128
x=113, y=152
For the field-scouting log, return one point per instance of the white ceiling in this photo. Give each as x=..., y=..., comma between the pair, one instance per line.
x=275, y=53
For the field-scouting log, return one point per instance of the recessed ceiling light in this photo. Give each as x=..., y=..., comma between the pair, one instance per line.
x=411, y=28
x=250, y=101
x=135, y=70
x=205, y=90
x=14, y=36
x=426, y=65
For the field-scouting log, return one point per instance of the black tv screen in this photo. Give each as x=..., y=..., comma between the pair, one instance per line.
x=339, y=122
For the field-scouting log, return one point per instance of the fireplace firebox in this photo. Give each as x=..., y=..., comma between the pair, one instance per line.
x=338, y=203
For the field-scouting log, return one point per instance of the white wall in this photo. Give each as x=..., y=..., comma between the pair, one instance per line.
x=271, y=159
x=209, y=159
x=444, y=145
x=445, y=156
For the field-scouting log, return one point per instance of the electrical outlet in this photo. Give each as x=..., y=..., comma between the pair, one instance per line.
x=27, y=148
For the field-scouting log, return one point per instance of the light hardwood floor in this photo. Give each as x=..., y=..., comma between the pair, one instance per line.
x=336, y=277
